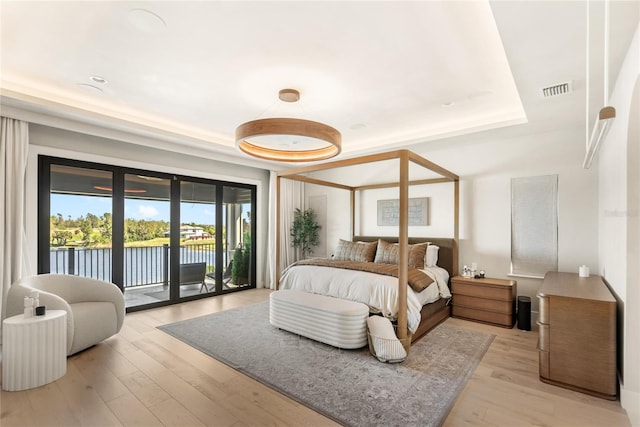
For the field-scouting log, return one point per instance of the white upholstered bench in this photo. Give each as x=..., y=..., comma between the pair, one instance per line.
x=337, y=322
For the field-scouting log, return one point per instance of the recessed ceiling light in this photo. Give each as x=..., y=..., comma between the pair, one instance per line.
x=90, y=88
x=357, y=126
x=448, y=104
x=146, y=21
x=98, y=79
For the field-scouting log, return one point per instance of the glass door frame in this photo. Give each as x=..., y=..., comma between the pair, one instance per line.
x=118, y=216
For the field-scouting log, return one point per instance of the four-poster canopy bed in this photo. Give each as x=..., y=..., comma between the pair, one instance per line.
x=432, y=313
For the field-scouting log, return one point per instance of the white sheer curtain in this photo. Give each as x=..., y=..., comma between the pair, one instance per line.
x=291, y=197
x=14, y=257
x=271, y=233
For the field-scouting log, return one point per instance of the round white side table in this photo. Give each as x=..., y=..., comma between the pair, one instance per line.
x=34, y=350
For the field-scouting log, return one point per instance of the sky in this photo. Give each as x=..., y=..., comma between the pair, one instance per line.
x=79, y=205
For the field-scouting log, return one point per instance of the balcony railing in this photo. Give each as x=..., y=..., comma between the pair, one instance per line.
x=145, y=265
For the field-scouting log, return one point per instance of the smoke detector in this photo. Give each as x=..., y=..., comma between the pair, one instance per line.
x=557, y=89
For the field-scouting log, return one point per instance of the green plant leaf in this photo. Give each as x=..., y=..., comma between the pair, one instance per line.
x=304, y=231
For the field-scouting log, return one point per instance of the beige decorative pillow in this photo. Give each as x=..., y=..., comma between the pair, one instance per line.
x=355, y=251
x=387, y=253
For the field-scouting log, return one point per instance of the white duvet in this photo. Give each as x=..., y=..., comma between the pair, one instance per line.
x=378, y=291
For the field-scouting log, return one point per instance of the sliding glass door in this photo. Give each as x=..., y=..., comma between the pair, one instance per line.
x=146, y=265
x=238, y=250
x=78, y=224
x=161, y=238
x=197, y=238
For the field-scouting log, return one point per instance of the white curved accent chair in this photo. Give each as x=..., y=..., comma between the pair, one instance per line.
x=95, y=309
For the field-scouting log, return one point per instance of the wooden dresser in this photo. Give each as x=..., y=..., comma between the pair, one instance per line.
x=577, y=322
x=484, y=300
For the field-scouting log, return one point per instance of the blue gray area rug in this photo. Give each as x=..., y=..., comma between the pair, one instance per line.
x=350, y=386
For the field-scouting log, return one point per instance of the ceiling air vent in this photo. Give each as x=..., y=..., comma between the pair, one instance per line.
x=559, y=89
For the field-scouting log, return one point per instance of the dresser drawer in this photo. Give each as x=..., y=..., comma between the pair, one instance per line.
x=543, y=358
x=502, y=293
x=543, y=313
x=543, y=343
x=483, y=316
x=505, y=307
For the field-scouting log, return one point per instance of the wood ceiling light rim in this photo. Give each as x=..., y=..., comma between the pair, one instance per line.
x=289, y=126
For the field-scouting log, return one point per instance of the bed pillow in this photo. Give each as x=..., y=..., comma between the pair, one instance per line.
x=355, y=251
x=387, y=253
x=431, y=258
x=386, y=346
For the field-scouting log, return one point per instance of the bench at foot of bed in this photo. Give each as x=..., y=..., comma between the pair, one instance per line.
x=337, y=322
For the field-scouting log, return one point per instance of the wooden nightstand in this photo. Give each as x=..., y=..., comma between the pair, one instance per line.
x=484, y=300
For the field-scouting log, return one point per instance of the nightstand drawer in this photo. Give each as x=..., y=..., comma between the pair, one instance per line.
x=502, y=293
x=505, y=307
x=484, y=316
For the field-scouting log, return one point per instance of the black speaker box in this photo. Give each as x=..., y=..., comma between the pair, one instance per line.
x=524, y=313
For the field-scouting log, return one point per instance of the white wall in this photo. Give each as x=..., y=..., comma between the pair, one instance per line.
x=440, y=211
x=73, y=145
x=618, y=164
x=486, y=169
x=338, y=215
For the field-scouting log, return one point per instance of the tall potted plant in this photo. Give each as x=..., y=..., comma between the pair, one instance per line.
x=304, y=231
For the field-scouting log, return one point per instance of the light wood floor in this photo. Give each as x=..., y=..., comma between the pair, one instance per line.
x=144, y=377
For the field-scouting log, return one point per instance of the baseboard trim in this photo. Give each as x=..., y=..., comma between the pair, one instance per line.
x=630, y=401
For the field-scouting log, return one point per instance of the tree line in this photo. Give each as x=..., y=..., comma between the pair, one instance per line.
x=91, y=230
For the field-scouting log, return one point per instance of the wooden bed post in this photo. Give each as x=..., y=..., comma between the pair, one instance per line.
x=278, y=178
x=403, y=242
x=456, y=224
x=353, y=213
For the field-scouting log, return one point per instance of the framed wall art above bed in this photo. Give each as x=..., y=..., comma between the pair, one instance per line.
x=418, y=211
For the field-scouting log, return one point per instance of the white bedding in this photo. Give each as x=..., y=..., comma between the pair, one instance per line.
x=379, y=292
x=441, y=277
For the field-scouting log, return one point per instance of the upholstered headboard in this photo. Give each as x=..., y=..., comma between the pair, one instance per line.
x=445, y=254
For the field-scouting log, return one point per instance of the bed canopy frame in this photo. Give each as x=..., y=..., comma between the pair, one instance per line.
x=405, y=157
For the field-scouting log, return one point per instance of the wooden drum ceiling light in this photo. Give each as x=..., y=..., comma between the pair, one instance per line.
x=288, y=139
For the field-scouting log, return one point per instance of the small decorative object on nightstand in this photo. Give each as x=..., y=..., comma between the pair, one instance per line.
x=484, y=299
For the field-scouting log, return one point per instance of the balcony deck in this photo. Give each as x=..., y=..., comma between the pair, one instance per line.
x=147, y=294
